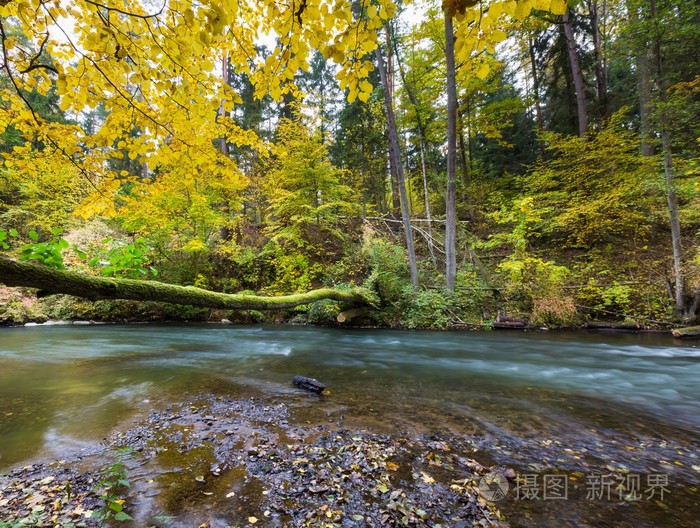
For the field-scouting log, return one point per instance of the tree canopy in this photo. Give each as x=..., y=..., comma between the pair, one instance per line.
x=250, y=145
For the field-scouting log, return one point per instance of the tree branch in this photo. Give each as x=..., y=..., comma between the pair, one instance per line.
x=126, y=13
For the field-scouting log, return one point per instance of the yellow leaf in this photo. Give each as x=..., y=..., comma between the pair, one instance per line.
x=523, y=9
x=189, y=16
x=558, y=7
x=252, y=520
x=426, y=478
x=483, y=71
x=498, y=35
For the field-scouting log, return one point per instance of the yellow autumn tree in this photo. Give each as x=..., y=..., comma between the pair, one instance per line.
x=153, y=69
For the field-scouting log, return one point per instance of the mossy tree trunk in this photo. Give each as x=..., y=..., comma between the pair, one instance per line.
x=51, y=281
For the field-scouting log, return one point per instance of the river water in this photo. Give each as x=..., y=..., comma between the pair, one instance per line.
x=579, y=403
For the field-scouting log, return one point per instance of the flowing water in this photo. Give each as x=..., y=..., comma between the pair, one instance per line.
x=581, y=404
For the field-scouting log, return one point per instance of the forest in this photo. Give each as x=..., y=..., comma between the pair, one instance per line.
x=453, y=163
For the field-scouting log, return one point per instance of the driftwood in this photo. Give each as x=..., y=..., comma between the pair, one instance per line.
x=690, y=331
x=50, y=281
x=309, y=384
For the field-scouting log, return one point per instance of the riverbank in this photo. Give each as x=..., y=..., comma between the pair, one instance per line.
x=219, y=462
x=213, y=462
x=19, y=306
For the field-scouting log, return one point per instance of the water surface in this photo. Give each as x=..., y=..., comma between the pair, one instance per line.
x=598, y=396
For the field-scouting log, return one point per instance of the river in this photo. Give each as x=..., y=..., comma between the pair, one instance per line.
x=578, y=403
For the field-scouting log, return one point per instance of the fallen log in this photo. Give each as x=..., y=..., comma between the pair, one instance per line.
x=505, y=318
x=508, y=324
x=51, y=281
x=349, y=314
x=309, y=384
x=608, y=325
x=689, y=331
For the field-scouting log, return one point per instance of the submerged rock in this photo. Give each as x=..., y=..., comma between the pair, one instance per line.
x=309, y=384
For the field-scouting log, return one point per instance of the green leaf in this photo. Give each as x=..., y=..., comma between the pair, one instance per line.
x=34, y=235
x=122, y=516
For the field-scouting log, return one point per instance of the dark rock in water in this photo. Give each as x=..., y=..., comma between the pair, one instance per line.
x=309, y=384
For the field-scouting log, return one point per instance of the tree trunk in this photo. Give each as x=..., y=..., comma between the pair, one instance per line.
x=450, y=198
x=539, y=119
x=672, y=201
x=388, y=84
x=669, y=171
x=576, y=73
x=51, y=281
x=395, y=160
x=421, y=140
x=601, y=68
x=223, y=145
x=426, y=195
x=643, y=63
x=467, y=196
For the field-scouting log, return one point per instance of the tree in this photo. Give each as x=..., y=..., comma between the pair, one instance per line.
x=397, y=168
x=663, y=36
x=451, y=195
x=361, y=147
x=303, y=185
x=477, y=32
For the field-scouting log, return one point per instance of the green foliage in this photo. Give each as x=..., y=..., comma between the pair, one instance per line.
x=243, y=268
x=119, y=259
x=35, y=518
x=64, y=307
x=303, y=184
x=323, y=312
x=40, y=197
x=48, y=253
x=114, y=485
x=292, y=270
x=530, y=283
x=4, y=244
x=389, y=269
x=595, y=190
x=426, y=309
